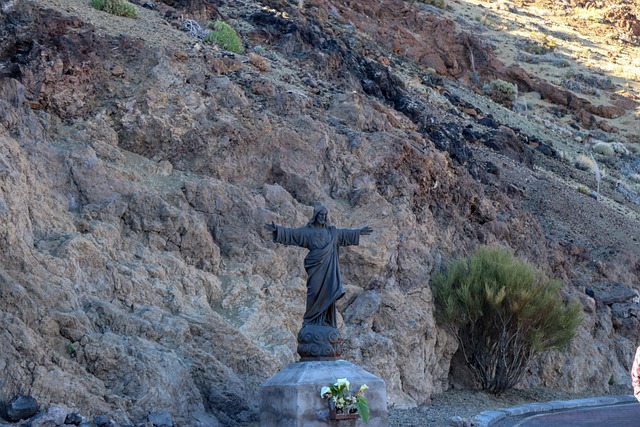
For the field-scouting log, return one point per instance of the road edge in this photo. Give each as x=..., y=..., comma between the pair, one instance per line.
x=489, y=418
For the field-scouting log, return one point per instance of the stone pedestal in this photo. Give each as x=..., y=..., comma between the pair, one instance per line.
x=291, y=398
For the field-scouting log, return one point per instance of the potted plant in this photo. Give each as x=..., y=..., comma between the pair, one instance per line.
x=342, y=404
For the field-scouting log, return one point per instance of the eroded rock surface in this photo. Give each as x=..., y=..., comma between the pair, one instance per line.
x=135, y=180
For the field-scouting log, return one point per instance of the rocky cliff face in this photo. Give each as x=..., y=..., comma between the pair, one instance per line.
x=138, y=166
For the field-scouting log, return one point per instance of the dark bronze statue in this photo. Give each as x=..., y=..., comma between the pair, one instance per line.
x=319, y=337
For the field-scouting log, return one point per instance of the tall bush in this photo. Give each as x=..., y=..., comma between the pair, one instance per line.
x=502, y=311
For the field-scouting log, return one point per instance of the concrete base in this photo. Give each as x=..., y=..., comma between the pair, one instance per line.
x=291, y=398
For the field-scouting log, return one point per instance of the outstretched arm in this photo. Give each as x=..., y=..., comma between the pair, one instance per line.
x=351, y=236
x=287, y=236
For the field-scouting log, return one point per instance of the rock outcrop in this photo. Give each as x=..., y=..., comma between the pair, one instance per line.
x=135, y=179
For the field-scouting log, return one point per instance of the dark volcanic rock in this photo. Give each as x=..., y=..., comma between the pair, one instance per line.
x=73, y=418
x=22, y=407
x=506, y=141
x=614, y=292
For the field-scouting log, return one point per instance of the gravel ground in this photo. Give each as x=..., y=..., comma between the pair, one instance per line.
x=467, y=403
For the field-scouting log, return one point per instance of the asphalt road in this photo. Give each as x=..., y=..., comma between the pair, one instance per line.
x=619, y=415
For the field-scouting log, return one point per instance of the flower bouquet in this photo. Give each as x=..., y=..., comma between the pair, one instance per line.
x=343, y=405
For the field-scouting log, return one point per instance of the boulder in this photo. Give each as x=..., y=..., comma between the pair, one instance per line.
x=22, y=407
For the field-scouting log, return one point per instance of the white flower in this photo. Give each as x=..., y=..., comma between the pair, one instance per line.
x=363, y=388
x=325, y=390
x=342, y=381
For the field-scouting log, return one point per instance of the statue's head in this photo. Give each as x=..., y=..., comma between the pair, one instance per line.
x=320, y=216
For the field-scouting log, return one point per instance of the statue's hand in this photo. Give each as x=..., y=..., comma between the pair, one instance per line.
x=366, y=231
x=271, y=227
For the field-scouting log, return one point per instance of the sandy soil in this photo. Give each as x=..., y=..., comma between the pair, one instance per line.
x=591, y=55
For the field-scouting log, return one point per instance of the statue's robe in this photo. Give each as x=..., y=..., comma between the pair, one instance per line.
x=324, y=285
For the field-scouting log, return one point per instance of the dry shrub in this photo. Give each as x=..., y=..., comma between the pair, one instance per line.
x=584, y=163
x=258, y=61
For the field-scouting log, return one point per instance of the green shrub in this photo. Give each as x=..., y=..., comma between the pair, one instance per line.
x=224, y=36
x=502, y=92
x=583, y=189
x=539, y=45
x=116, y=7
x=604, y=149
x=440, y=4
x=502, y=311
x=71, y=351
x=609, y=149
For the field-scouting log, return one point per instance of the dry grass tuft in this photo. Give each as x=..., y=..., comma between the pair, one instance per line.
x=258, y=61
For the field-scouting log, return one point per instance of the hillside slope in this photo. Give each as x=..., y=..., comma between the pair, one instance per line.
x=139, y=164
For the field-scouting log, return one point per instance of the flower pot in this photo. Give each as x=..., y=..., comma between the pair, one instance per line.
x=335, y=415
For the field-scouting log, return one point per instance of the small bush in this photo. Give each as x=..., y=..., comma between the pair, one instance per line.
x=502, y=92
x=431, y=78
x=71, y=351
x=584, y=163
x=440, y=4
x=258, y=61
x=539, y=45
x=116, y=7
x=604, y=83
x=604, y=149
x=502, y=311
x=224, y=36
x=620, y=148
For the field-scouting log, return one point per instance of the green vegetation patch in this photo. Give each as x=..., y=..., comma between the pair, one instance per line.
x=116, y=7
x=539, y=44
x=502, y=311
x=224, y=36
x=440, y=4
x=502, y=92
x=583, y=189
